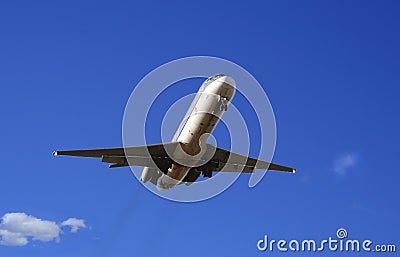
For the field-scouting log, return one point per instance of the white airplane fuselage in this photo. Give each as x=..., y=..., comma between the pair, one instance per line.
x=208, y=106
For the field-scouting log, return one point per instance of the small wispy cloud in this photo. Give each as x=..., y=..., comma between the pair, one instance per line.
x=17, y=228
x=342, y=164
x=74, y=224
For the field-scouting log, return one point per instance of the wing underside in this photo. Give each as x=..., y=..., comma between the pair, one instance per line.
x=156, y=156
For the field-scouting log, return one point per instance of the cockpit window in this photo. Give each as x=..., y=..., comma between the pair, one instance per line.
x=213, y=78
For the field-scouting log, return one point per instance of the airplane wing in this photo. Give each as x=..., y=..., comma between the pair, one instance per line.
x=156, y=156
x=227, y=161
x=147, y=155
x=153, y=150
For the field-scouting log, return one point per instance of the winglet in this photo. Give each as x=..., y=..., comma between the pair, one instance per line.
x=55, y=153
x=294, y=170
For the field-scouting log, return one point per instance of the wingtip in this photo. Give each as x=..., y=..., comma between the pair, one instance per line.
x=55, y=153
x=294, y=170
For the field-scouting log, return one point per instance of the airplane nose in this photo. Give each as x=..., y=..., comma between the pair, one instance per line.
x=227, y=80
x=228, y=87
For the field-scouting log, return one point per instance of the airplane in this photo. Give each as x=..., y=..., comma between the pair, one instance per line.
x=187, y=156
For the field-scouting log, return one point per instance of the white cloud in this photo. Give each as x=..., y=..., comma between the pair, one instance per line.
x=12, y=238
x=17, y=228
x=74, y=223
x=344, y=163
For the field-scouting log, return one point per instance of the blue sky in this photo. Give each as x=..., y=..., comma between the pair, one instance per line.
x=330, y=69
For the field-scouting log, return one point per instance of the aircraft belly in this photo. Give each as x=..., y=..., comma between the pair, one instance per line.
x=205, y=112
x=174, y=176
x=198, y=125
